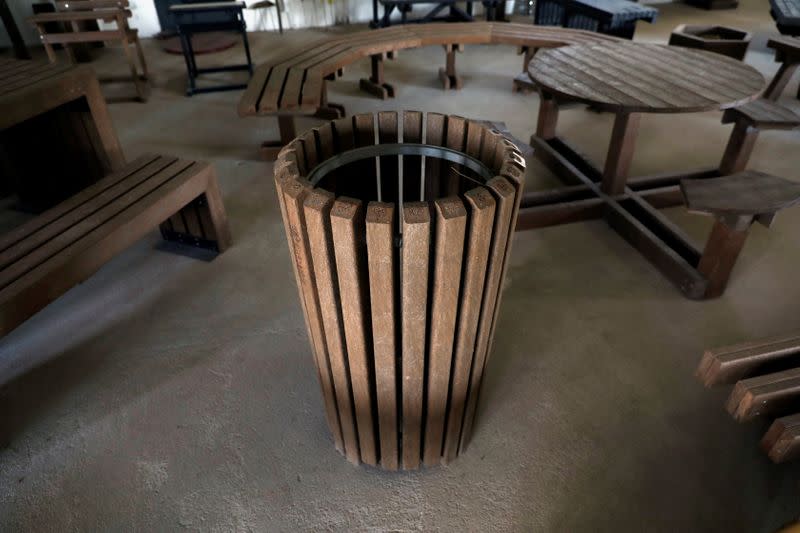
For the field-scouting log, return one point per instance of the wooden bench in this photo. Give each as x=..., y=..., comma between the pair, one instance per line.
x=295, y=82
x=736, y=202
x=45, y=257
x=75, y=12
x=787, y=15
x=749, y=120
x=766, y=377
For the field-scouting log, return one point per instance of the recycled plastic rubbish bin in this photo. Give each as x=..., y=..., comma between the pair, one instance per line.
x=399, y=227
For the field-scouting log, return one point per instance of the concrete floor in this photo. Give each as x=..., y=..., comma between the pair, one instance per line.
x=168, y=393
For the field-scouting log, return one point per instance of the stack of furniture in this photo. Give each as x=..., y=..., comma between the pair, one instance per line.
x=787, y=15
x=765, y=375
x=73, y=12
x=612, y=17
x=495, y=11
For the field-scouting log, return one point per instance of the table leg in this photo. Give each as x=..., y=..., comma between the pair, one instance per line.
x=548, y=117
x=620, y=152
x=288, y=131
x=782, y=77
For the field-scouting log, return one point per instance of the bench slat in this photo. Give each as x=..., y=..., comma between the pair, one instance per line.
x=782, y=440
x=729, y=364
x=767, y=394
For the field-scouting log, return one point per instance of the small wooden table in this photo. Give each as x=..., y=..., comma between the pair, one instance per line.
x=787, y=52
x=627, y=79
x=56, y=134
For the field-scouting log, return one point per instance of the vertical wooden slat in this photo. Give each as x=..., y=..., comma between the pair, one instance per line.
x=513, y=170
x=504, y=194
x=382, y=282
x=294, y=192
x=387, y=134
x=474, y=134
x=414, y=256
x=365, y=171
x=434, y=134
x=451, y=224
x=481, y=207
x=347, y=223
x=455, y=138
x=412, y=165
x=317, y=207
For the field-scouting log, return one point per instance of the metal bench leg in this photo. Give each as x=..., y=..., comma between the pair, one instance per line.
x=286, y=127
x=450, y=79
x=740, y=147
x=187, y=57
x=375, y=84
x=722, y=249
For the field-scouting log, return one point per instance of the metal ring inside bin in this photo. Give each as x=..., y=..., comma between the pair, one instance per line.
x=377, y=150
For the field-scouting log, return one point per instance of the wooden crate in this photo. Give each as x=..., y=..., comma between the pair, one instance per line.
x=399, y=264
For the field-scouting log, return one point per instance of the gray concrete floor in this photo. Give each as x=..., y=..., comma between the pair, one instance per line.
x=168, y=393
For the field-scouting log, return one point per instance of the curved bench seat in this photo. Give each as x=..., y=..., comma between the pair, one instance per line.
x=295, y=81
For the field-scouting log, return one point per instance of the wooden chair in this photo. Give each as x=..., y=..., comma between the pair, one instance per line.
x=44, y=258
x=765, y=375
x=72, y=13
x=749, y=120
x=736, y=202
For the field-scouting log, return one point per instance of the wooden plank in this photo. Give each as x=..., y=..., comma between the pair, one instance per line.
x=391, y=188
x=782, y=440
x=435, y=135
x=729, y=364
x=763, y=395
x=294, y=194
x=382, y=262
x=504, y=195
x=347, y=223
x=481, y=207
x=414, y=257
x=317, y=208
x=412, y=165
x=450, y=224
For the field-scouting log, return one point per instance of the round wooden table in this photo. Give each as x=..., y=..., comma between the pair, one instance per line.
x=628, y=79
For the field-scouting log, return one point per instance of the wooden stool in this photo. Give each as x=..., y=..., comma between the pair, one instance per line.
x=750, y=119
x=736, y=202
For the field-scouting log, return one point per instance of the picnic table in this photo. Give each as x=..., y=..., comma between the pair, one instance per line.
x=628, y=79
x=56, y=134
x=787, y=53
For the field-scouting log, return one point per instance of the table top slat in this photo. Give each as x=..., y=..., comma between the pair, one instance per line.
x=644, y=77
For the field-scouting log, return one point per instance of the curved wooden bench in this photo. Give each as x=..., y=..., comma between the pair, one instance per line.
x=295, y=83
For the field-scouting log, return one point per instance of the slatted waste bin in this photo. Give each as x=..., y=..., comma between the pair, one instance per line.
x=399, y=226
